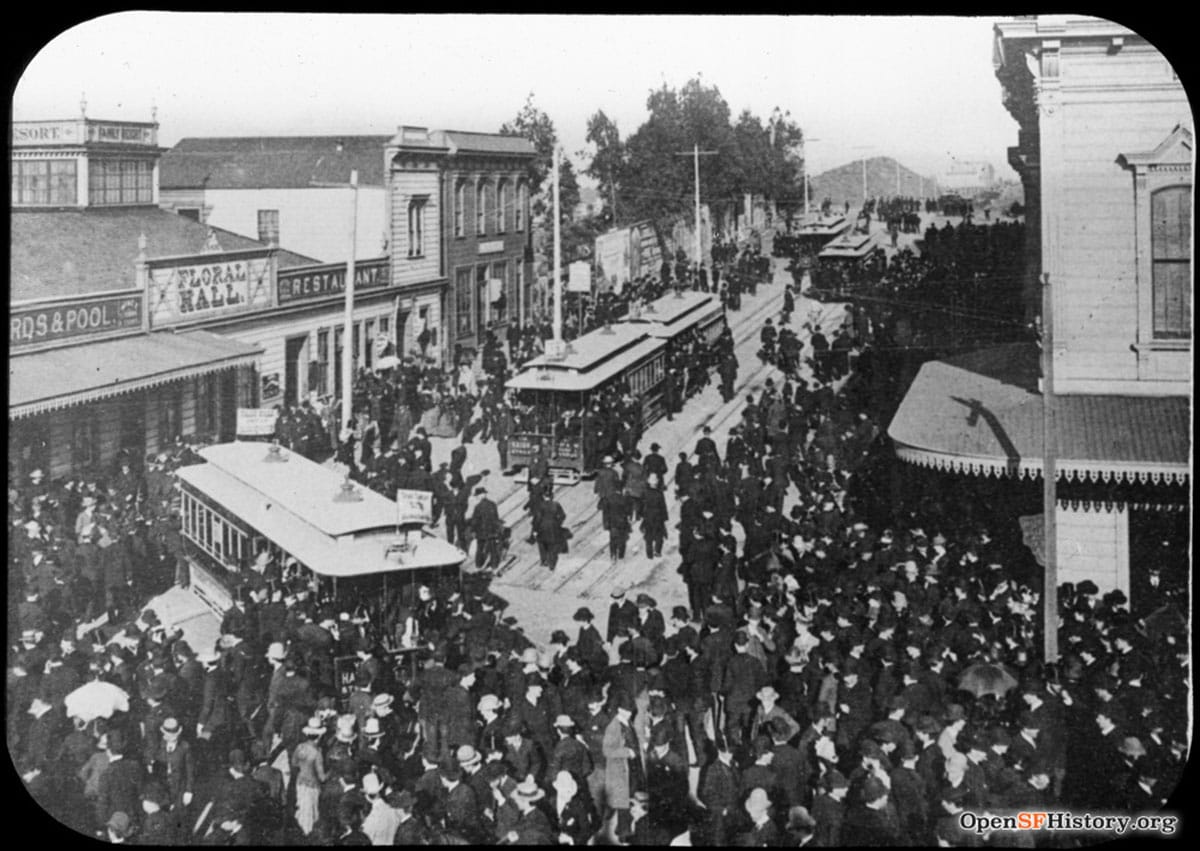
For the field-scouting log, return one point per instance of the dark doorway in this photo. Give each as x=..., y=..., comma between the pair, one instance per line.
x=292, y=351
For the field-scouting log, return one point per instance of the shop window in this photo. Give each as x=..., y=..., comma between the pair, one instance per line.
x=207, y=406
x=416, y=226
x=29, y=446
x=499, y=295
x=322, y=387
x=460, y=208
x=1171, y=262
x=44, y=183
x=170, y=416
x=268, y=226
x=462, y=302
x=112, y=182
x=85, y=441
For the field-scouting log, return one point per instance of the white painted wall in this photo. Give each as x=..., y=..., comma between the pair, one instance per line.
x=313, y=222
x=1094, y=544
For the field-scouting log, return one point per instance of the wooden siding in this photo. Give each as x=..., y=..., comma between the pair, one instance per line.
x=404, y=186
x=1092, y=262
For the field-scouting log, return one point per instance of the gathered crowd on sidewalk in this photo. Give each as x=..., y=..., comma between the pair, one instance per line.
x=836, y=678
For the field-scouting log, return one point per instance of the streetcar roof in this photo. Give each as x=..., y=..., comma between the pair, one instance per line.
x=341, y=557
x=821, y=226
x=565, y=375
x=850, y=246
x=666, y=316
x=303, y=487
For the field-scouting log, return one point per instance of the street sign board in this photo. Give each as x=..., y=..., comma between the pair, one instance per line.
x=256, y=422
x=579, y=278
x=414, y=507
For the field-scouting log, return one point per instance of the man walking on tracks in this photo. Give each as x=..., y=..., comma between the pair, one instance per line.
x=549, y=530
x=486, y=525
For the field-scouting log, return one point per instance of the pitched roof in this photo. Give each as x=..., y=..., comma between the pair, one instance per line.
x=489, y=143
x=272, y=162
x=71, y=252
x=982, y=413
x=58, y=378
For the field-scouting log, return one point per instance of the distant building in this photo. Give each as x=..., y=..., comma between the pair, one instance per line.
x=287, y=190
x=1105, y=154
x=967, y=178
x=461, y=236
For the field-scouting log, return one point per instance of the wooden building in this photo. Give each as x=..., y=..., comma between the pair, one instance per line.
x=1105, y=153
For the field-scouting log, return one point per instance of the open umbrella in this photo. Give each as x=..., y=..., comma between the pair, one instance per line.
x=387, y=362
x=96, y=699
x=987, y=678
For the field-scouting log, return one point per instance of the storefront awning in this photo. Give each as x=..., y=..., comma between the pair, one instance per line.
x=981, y=413
x=59, y=378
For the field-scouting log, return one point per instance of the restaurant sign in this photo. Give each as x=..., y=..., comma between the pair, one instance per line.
x=105, y=315
x=314, y=282
x=229, y=283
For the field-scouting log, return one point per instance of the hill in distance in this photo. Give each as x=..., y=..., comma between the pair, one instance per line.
x=845, y=182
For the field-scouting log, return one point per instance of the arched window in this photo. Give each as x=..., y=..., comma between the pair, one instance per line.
x=460, y=209
x=481, y=207
x=519, y=209
x=503, y=200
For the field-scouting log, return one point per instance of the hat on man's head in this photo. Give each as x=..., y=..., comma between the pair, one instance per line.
x=528, y=790
x=119, y=824
x=758, y=801
x=564, y=721
x=171, y=728
x=237, y=760
x=873, y=789
x=646, y=600
x=583, y=613
x=382, y=701
x=371, y=728
x=467, y=756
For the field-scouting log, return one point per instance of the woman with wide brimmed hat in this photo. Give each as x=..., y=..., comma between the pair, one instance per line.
x=308, y=766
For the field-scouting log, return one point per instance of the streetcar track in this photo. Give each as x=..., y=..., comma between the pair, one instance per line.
x=528, y=575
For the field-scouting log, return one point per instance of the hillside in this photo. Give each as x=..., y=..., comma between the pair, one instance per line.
x=845, y=182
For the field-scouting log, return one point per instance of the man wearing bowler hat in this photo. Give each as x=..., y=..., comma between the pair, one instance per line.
x=174, y=765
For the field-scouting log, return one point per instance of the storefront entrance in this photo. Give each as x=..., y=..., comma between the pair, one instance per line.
x=294, y=368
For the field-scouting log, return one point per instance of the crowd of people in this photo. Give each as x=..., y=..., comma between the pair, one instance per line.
x=838, y=676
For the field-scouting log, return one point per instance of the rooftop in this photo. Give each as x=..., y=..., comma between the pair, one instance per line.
x=72, y=252
x=272, y=162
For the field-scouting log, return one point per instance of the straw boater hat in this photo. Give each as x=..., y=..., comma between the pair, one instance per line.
x=371, y=729
x=527, y=790
x=345, y=728
x=314, y=727
x=371, y=784
x=171, y=728
x=382, y=701
x=277, y=652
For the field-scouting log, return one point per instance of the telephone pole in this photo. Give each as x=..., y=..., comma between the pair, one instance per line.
x=1049, y=483
x=695, y=154
x=806, y=141
x=348, y=352
x=557, y=326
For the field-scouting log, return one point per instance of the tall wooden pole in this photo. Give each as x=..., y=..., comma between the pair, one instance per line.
x=1049, y=475
x=348, y=326
x=699, y=244
x=557, y=326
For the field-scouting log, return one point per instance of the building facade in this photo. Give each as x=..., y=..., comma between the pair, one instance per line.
x=1105, y=156
x=287, y=190
x=472, y=190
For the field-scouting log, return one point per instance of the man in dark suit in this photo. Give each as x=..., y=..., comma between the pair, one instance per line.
x=121, y=784
x=589, y=645
x=606, y=486
x=173, y=765
x=487, y=528
x=618, y=524
x=656, y=464
x=621, y=613
x=650, y=621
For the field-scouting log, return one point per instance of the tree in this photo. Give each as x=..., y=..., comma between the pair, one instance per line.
x=609, y=159
x=536, y=126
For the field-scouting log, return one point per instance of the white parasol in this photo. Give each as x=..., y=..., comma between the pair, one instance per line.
x=96, y=699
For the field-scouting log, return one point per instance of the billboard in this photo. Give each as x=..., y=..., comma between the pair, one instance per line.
x=414, y=507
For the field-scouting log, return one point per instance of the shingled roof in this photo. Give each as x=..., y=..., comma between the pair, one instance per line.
x=272, y=162
x=71, y=252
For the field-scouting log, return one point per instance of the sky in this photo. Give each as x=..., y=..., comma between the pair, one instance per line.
x=920, y=89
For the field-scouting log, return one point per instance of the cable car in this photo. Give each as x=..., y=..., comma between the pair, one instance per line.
x=348, y=544
x=674, y=317
x=843, y=263
x=552, y=393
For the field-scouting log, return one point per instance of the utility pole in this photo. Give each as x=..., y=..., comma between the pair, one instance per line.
x=696, y=153
x=557, y=325
x=806, y=141
x=1049, y=475
x=348, y=329
x=864, y=172
x=897, y=178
